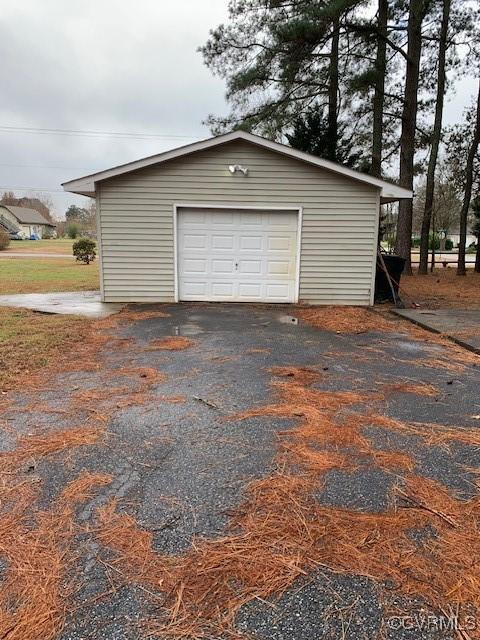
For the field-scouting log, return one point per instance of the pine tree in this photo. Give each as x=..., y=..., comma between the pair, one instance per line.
x=469, y=179
x=281, y=59
x=475, y=208
x=417, y=12
x=436, y=135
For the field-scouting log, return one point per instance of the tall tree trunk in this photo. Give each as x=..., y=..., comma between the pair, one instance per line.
x=436, y=135
x=333, y=93
x=379, y=94
x=467, y=196
x=477, y=257
x=403, y=244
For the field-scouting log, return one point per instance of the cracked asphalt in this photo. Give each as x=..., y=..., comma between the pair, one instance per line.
x=180, y=468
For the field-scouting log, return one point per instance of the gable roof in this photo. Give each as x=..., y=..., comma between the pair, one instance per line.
x=86, y=184
x=24, y=215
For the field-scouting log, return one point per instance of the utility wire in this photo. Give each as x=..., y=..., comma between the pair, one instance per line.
x=91, y=133
x=39, y=189
x=45, y=166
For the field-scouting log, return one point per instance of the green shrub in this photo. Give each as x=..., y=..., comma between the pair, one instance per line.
x=73, y=230
x=84, y=250
x=448, y=244
x=4, y=239
x=434, y=242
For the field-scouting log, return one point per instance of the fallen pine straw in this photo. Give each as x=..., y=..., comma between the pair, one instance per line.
x=443, y=289
x=345, y=319
x=39, y=546
x=40, y=551
x=128, y=315
x=302, y=375
x=253, y=350
x=436, y=363
x=417, y=388
x=356, y=320
x=37, y=445
x=147, y=375
x=173, y=399
x=170, y=343
x=281, y=532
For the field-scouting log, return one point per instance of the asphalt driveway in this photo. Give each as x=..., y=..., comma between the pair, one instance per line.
x=182, y=447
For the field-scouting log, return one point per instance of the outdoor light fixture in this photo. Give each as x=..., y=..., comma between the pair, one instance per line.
x=237, y=168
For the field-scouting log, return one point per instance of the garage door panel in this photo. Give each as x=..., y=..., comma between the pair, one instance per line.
x=196, y=218
x=250, y=290
x=223, y=218
x=273, y=220
x=237, y=255
x=251, y=243
x=253, y=267
x=251, y=219
x=223, y=266
x=195, y=266
x=278, y=267
x=197, y=241
x=280, y=243
x=194, y=290
x=278, y=290
x=222, y=290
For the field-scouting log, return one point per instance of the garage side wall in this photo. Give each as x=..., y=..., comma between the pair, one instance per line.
x=338, y=241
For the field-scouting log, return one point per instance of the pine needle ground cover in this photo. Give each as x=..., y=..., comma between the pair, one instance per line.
x=264, y=479
x=443, y=290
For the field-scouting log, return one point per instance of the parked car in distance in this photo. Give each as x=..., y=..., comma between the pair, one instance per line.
x=16, y=235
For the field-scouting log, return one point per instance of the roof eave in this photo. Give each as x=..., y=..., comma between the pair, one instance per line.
x=86, y=184
x=394, y=194
x=79, y=187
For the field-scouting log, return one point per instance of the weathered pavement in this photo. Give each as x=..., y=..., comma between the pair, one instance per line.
x=81, y=303
x=180, y=467
x=462, y=325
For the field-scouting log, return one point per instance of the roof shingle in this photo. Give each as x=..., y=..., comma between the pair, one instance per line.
x=24, y=215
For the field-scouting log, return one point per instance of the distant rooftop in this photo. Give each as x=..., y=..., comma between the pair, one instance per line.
x=24, y=215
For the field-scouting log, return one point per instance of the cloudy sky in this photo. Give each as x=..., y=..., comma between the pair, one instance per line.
x=119, y=66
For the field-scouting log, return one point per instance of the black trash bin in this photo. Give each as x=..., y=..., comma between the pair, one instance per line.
x=394, y=266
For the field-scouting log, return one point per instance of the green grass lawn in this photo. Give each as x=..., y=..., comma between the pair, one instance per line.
x=46, y=275
x=62, y=246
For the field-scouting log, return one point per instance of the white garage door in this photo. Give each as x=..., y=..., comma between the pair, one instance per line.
x=237, y=256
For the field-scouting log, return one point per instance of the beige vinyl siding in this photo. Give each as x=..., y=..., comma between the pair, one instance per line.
x=338, y=232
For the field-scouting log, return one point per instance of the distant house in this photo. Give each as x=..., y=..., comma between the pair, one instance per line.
x=27, y=222
x=455, y=237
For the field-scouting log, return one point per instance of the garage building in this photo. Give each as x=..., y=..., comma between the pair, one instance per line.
x=237, y=218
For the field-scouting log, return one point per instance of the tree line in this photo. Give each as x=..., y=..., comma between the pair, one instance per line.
x=361, y=82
